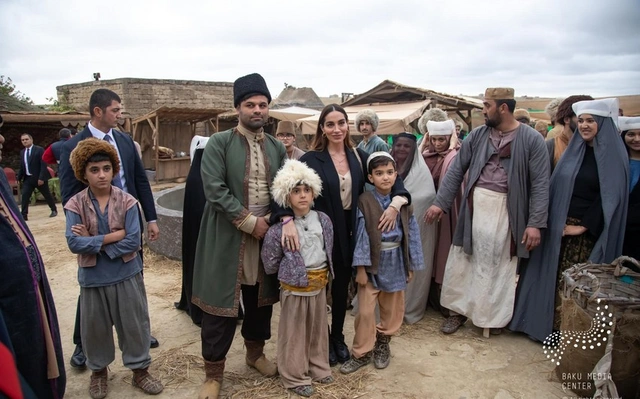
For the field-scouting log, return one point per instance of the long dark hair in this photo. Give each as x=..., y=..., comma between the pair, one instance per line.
x=320, y=141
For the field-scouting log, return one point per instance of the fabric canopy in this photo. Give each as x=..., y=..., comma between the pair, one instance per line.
x=292, y=113
x=394, y=118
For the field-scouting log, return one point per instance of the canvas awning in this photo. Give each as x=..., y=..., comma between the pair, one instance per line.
x=394, y=118
x=292, y=113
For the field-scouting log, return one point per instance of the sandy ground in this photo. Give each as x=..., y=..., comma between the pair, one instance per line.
x=425, y=363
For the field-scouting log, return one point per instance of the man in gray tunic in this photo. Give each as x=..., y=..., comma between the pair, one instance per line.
x=504, y=206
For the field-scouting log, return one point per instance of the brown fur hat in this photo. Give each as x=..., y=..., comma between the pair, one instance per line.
x=522, y=113
x=540, y=125
x=86, y=149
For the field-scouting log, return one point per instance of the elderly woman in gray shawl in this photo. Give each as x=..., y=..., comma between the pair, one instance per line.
x=588, y=200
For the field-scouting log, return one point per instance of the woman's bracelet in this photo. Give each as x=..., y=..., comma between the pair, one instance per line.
x=287, y=221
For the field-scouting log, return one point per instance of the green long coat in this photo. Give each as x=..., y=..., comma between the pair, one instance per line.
x=220, y=249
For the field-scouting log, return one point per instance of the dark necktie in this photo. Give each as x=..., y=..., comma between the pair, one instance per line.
x=116, y=178
x=28, y=159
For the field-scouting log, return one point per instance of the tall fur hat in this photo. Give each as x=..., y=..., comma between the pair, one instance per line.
x=294, y=173
x=246, y=86
x=552, y=108
x=433, y=114
x=368, y=115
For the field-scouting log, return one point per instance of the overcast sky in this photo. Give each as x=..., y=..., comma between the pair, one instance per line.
x=539, y=47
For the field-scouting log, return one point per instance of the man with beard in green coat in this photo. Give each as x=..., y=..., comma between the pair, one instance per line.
x=238, y=166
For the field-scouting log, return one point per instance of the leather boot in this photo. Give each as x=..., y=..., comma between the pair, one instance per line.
x=213, y=379
x=255, y=358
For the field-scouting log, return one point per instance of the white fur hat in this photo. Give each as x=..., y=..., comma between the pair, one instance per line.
x=629, y=123
x=294, y=173
x=369, y=115
x=446, y=128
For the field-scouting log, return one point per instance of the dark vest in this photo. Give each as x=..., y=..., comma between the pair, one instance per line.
x=372, y=211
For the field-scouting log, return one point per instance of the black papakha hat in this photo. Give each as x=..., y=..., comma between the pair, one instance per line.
x=249, y=85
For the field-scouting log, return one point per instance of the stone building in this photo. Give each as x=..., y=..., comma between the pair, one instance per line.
x=140, y=96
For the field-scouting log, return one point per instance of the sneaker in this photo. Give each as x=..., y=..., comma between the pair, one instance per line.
x=326, y=380
x=354, y=363
x=303, y=390
x=381, y=351
x=452, y=324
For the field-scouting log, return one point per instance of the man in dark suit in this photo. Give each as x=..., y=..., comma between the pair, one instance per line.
x=105, y=110
x=34, y=174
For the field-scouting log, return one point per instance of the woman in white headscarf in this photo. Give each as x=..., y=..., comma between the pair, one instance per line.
x=588, y=198
x=438, y=156
x=418, y=181
x=433, y=114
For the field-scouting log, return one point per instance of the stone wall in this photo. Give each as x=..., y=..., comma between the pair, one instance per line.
x=140, y=96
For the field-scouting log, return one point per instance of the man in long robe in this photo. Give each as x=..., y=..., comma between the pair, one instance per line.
x=504, y=206
x=238, y=166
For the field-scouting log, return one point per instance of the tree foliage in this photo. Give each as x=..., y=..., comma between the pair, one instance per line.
x=8, y=88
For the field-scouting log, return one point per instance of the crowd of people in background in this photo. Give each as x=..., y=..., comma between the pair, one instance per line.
x=479, y=225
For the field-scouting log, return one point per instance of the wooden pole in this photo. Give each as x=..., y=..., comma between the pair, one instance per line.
x=156, y=133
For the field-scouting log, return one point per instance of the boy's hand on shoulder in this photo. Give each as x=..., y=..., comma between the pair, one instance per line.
x=361, y=276
x=410, y=276
x=80, y=230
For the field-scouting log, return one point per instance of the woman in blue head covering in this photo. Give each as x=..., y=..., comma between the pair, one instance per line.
x=588, y=200
x=631, y=135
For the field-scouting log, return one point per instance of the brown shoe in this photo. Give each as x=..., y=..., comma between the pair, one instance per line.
x=214, y=372
x=145, y=381
x=255, y=358
x=452, y=324
x=264, y=366
x=98, y=384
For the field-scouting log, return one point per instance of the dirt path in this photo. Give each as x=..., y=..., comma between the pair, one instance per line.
x=425, y=363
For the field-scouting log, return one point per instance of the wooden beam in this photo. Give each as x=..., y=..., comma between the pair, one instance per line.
x=35, y=118
x=155, y=143
x=135, y=132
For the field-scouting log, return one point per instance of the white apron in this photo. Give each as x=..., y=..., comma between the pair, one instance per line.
x=482, y=286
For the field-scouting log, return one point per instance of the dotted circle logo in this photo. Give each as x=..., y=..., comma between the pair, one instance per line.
x=557, y=342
